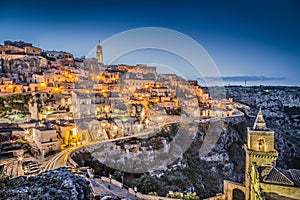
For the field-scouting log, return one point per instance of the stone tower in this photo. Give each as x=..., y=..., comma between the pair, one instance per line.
x=34, y=111
x=260, y=152
x=99, y=55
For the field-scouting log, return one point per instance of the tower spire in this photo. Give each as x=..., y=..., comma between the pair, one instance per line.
x=99, y=55
x=260, y=123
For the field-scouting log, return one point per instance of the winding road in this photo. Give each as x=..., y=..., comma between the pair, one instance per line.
x=62, y=159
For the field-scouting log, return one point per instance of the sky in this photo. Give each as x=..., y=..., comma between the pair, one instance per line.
x=244, y=38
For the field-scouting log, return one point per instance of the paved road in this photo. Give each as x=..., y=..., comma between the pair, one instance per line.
x=106, y=189
x=59, y=160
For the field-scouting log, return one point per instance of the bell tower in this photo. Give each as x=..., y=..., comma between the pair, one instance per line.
x=99, y=55
x=260, y=151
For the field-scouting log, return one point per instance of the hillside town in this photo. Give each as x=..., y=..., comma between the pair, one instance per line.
x=51, y=101
x=52, y=105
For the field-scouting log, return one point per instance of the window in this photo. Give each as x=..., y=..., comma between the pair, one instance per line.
x=261, y=144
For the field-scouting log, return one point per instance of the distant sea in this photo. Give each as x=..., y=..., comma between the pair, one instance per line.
x=226, y=81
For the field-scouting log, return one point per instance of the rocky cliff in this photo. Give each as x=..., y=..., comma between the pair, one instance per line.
x=189, y=171
x=55, y=184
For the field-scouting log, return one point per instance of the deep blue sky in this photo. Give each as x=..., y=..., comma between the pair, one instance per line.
x=249, y=38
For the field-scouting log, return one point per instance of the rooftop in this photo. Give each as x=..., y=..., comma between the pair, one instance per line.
x=260, y=123
x=44, y=128
x=278, y=176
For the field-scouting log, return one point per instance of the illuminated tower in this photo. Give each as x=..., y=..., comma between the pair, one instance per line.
x=99, y=55
x=260, y=152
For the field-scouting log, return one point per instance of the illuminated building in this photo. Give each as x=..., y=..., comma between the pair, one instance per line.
x=263, y=180
x=99, y=55
x=46, y=140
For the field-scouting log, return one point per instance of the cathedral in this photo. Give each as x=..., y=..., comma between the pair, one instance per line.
x=263, y=180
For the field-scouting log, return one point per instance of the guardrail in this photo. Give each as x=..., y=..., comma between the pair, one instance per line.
x=132, y=192
x=71, y=162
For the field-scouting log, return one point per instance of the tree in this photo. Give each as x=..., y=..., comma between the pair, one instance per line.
x=153, y=193
x=191, y=196
x=146, y=184
x=175, y=195
x=25, y=144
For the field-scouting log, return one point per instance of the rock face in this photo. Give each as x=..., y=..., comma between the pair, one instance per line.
x=281, y=109
x=55, y=184
x=226, y=161
x=204, y=174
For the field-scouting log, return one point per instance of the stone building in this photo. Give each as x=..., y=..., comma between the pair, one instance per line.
x=134, y=80
x=19, y=47
x=46, y=139
x=20, y=44
x=138, y=69
x=33, y=51
x=99, y=55
x=86, y=104
x=59, y=58
x=219, y=113
x=263, y=180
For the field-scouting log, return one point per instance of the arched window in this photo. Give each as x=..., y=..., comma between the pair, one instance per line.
x=261, y=144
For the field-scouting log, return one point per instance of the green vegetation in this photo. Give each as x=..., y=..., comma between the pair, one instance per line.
x=191, y=196
x=4, y=181
x=292, y=110
x=25, y=144
x=16, y=103
x=153, y=193
x=146, y=184
x=179, y=195
x=175, y=195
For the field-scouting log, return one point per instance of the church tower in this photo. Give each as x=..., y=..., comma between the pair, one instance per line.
x=260, y=152
x=99, y=55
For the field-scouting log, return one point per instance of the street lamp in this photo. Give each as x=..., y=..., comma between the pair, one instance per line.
x=20, y=159
x=27, y=131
